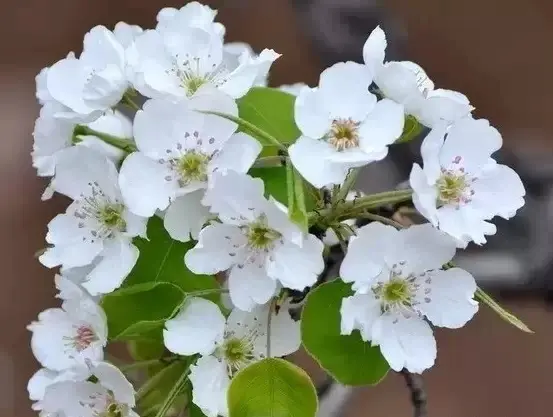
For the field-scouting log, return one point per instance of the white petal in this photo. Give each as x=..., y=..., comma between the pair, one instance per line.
x=366, y=254
x=451, y=302
x=110, y=377
x=197, y=328
x=464, y=224
x=440, y=107
x=118, y=259
x=134, y=225
x=250, y=286
x=297, y=267
x=405, y=342
x=238, y=153
x=382, y=127
x=422, y=247
x=374, y=50
x=398, y=83
x=143, y=185
x=210, y=383
x=39, y=382
x=311, y=116
x=219, y=247
x=430, y=152
x=310, y=158
x=359, y=312
x=425, y=196
x=472, y=140
x=186, y=216
x=351, y=80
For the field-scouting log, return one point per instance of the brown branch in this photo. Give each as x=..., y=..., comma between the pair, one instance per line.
x=415, y=385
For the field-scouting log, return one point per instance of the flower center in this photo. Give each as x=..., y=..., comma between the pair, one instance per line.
x=344, y=134
x=114, y=409
x=453, y=188
x=238, y=353
x=192, y=166
x=84, y=337
x=260, y=236
x=111, y=215
x=396, y=294
x=193, y=76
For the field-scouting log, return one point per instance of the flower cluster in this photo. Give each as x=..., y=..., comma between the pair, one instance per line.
x=188, y=157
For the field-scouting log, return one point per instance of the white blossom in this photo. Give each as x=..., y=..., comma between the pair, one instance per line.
x=179, y=150
x=68, y=336
x=97, y=227
x=461, y=187
x=342, y=125
x=111, y=395
x=126, y=34
x=236, y=52
x=53, y=134
x=94, y=82
x=398, y=283
x=407, y=83
x=226, y=345
x=184, y=57
x=257, y=243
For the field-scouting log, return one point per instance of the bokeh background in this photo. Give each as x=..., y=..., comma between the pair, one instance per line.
x=495, y=51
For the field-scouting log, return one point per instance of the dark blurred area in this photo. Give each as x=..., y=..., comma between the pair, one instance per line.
x=494, y=51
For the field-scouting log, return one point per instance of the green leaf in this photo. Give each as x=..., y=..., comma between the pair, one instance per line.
x=153, y=392
x=141, y=350
x=194, y=411
x=504, y=314
x=272, y=387
x=271, y=110
x=140, y=311
x=162, y=260
x=411, y=129
x=296, y=197
x=348, y=359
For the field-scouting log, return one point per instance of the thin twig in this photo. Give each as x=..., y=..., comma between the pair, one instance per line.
x=415, y=385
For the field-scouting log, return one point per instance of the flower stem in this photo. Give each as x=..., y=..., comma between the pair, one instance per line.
x=381, y=219
x=264, y=137
x=128, y=101
x=124, y=144
x=153, y=381
x=173, y=394
x=418, y=395
x=145, y=364
x=348, y=183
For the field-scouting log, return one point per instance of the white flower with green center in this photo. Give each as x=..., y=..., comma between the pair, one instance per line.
x=226, y=345
x=97, y=228
x=69, y=336
x=73, y=394
x=460, y=187
x=407, y=83
x=256, y=243
x=400, y=287
x=184, y=57
x=342, y=125
x=179, y=149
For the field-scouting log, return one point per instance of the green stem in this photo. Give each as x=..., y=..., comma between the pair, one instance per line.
x=269, y=161
x=124, y=144
x=351, y=209
x=144, y=364
x=348, y=183
x=245, y=125
x=381, y=219
x=153, y=381
x=504, y=314
x=173, y=394
x=129, y=102
x=207, y=292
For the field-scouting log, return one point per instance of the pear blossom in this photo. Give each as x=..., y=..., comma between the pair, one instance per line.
x=407, y=83
x=68, y=336
x=126, y=34
x=256, y=242
x=342, y=125
x=97, y=227
x=398, y=283
x=179, y=149
x=461, y=187
x=93, y=83
x=183, y=58
x=235, y=52
x=226, y=346
x=192, y=14
x=111, y=395
x=53, y=134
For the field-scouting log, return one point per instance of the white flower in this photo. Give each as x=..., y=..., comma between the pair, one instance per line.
x=256, y=242
x=97, y=226
x=126, y=34
x=399, y=283
x=293, y=89
x=179, y=150
x=461, y=186
x=95, y=81
x=406, y=82
x=342, y=125
x=68, y=336
x=226, y=345
x=180, y=60
x=111, y=395
x=236, y=52
x=53, y=134
x=330, y=238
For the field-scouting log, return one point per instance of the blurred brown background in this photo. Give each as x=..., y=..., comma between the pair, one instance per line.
x=495, y=51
